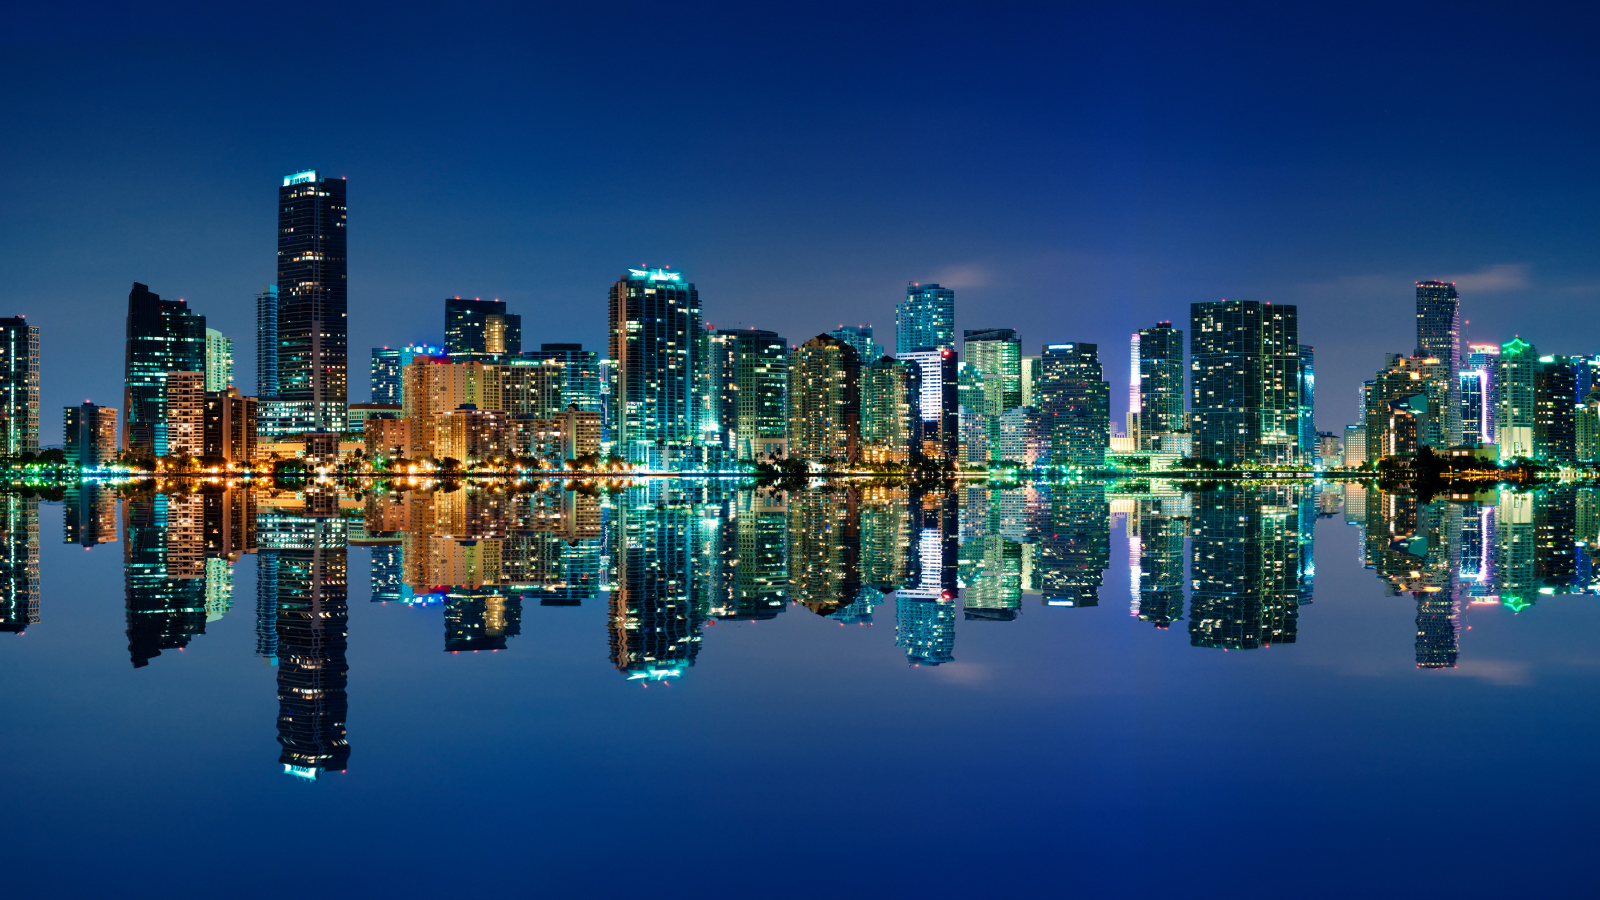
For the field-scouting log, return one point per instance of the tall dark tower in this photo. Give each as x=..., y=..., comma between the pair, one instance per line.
x=1160, y=383
x=1439, y=337
x=313, y=331
x=163, y=336
x=657, y=350
x=478, y=329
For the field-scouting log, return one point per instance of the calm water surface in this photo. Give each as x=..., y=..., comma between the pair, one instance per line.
x=691, y=690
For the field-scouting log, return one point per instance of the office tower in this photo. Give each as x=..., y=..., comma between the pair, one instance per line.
x=1329, y=451
x=1030, y=377
x=186, y=413
x=1306, y=381
x=1158, y=382
x=163, y=336
x=994, y=359
x=313, y=328
x=19, y=562
x=1074, y=546
x=229, y=426
x=581, y=381
x=89, y=516
x=825, y=401
x=1157, y=527
x=1476, y=387
x=1023, y=435
x=1244, y=389
x=90, y=435
x=1586, y=427
x=431, y=386
x=1244, y=568
x=1439, y=337
x=1516, y=387
x=655, y=624
x=1355, y=445
x=219, y=360
x=166, y=604
x=891, y=410
x=940, y=413
x=749, y=375
x=267, y=342
x=925, y=320
x=1077, y=400
x=480, y=329
x=1405, y=407
x=1560, y=387
x=313, y=617
x=389, y=365
x=19, y=387
x=860, y=338
x=655, y=328
x=825, y=546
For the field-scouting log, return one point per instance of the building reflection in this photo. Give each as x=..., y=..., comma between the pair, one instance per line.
x=1245, y=568
x=655, y=624
x=19, y=562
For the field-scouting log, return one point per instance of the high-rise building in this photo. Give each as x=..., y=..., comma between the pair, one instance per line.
x=940, y=412
x=1030, y=378
x=1560, y=387
x=859, y=337
x=1355, y=445
x=90, y=435
x=891, y=410
x=219, y=360
x=994, y=360
x=1516, y=387
x=825, y=400
x=267, y=342
x=313, y=324
x=925, y=320
x=230, y=426
x=389, y=365
x=186, y=413
x=163, y=336
x=19, y=387
x=1306, y=380
x=580, y=373
x=1476, y=389
x=1075, y=397
x=1405, y=407
x=655, y=348
x=480, y=329
x=1244, y=359
x=1439, y=337
x=1158, y=382
x=749, y=383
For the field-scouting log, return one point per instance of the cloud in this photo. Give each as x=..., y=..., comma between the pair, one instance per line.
x=1501, y=277
x=970, y=275
x=1494, y=671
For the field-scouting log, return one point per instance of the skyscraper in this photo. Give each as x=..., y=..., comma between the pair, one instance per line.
x=313, y=327
x=219, y=360
x=825, y=400
x=388, y=366
x=859, y=337
x=267, y=342
x=1439, y=337
x=1560, y=387
x=163, y=336
x=1244, y=359
x=480, y=329
x=1516, y=381
x=926, y=319
x=1476, y=389
x=1160, y=383
x=655, y=345
x=891, y=410
x=1076, y=399
x=938, y=401
x=90, y=434
x=994, y=359
x=1306, y=380
x=19, y=387
x=749, y=383
x=1404, y=406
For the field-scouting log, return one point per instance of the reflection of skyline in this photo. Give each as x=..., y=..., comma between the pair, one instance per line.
x=1245, y=568
x=19, y=562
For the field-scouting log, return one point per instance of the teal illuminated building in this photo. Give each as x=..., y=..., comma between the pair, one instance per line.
x=747, y=393
x=1158, y=383
x=926, y=319
x=859, y=337
x=891, y=410
x=1439, y=337
x=580, y=373
x=19, y=562
x=994, y=361
x=162, y=336
x=388, y=367
x=1076, y=401
x=656, y=349
x=1306, y=380
x=312, y=307
x=1516, y=387
x=1244, y=384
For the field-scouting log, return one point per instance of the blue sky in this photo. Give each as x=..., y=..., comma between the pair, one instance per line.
x=1075, y=172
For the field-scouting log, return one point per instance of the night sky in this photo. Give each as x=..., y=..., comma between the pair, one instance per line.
x=1073, y=172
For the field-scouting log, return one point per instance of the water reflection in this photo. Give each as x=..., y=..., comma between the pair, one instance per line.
x=1235, y=567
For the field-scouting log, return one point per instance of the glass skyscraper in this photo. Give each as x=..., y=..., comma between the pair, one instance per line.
x=1159, y=380
x=163, y=336
x=926, y=319
x=1516, y=380
x=267, y=342
x=1307, y=381
x=656, y=348
x=480, y=329
x=388, y=366
x=859, y=337
x=1076, y=400
x=1244, y=362
x=749, y=372
x=19, y=387
x=219, y=360
x=312, y=308
x=938, y=400
x=1439, y=337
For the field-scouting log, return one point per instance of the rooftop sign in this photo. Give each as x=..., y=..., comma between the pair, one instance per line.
x=300, y=177
x=654, y=275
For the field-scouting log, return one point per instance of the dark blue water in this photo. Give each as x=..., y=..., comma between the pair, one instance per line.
x=1288, y=733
